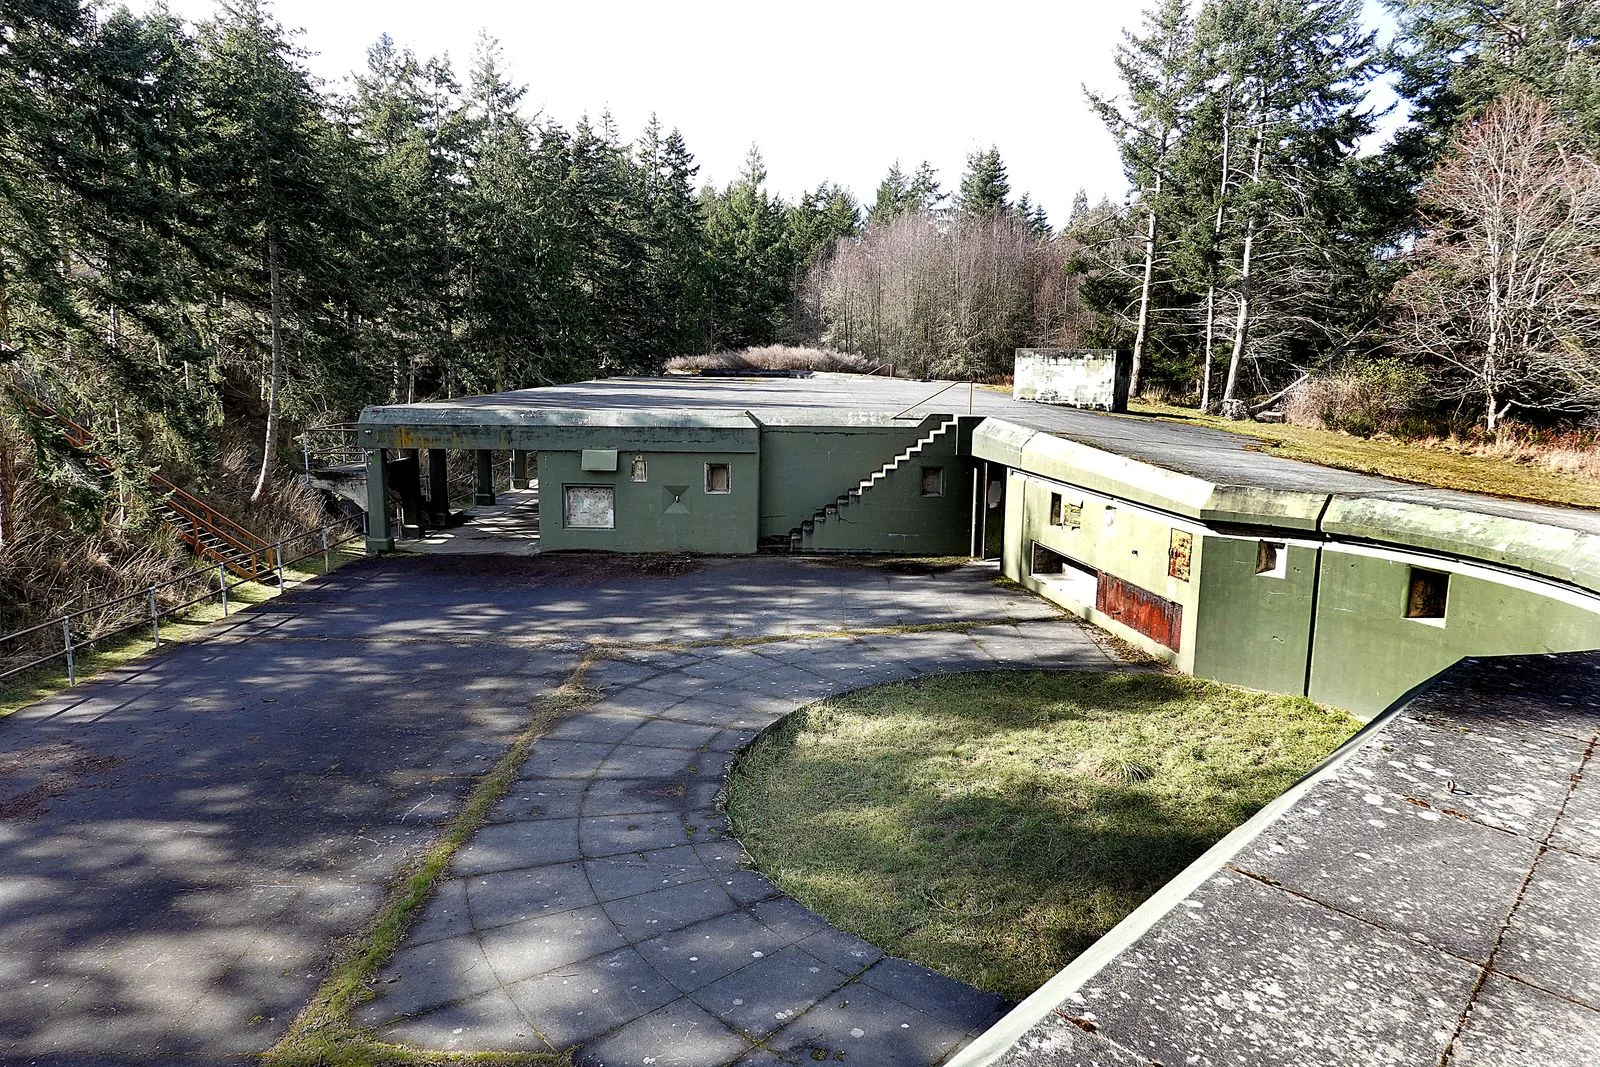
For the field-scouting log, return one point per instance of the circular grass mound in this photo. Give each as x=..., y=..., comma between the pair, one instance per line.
x=992, y=826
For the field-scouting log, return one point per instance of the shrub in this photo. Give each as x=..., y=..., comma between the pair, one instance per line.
x=1383, y=395
x=773, y=358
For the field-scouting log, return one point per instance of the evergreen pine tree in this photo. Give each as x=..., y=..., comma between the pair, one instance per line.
x=1453, y=59
x=892, y=199
x=751, y=260
x=1144, y=123
x=985, y=188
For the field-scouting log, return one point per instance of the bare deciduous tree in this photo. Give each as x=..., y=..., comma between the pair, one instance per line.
x=1504, y=294
x=948, y=298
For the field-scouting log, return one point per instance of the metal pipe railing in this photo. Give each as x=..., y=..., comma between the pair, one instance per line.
x=72, y=644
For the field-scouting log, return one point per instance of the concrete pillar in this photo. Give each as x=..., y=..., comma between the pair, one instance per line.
x=405, y=478
x=519, y=468
x=379, y=536
x=438, y=487
x=485, y=477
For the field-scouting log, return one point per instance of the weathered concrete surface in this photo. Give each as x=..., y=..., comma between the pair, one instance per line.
x=1430, y=900
x=182, y=841
x=606, y=906
x=1096, y=378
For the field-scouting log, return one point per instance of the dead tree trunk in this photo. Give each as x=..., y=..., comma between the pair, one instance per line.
x=1216, y=238
x=270, y=449
x=1232, y=406
x=1142, y=333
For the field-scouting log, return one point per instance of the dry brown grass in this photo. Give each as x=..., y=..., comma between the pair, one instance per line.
x=1382, y=396
x=773, y=358
x=1541, y=469
x=1574, y=455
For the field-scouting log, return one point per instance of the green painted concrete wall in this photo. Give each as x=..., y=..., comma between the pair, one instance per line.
x=1252, y=629
x=721, y=524
x=805, y=467
x=1113, y=536
x=1335, y=619
x=894, y=517
x=1368, y=653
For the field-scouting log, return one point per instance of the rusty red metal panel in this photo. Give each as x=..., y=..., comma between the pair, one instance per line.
x=1139, y=609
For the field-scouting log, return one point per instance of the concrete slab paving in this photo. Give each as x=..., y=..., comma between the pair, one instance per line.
x=1552, y=940
x=1497, y=1031
x=222, y=813
x=743, y=962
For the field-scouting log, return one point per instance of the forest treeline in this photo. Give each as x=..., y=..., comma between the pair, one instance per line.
x=203, y=250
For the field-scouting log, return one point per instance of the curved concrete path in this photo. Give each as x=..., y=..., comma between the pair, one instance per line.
x=183, y=840
x=607, y=906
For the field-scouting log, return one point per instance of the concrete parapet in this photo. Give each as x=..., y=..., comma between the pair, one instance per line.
x=1076, y=377
x=1571, y=556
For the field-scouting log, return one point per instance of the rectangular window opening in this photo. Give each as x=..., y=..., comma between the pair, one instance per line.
x=1076, y=580
x=933, y=481
x=1065, y=513
x=589, y=507
x=640, y=469
x=1272, y=559
x=718, y=478
x=1428, y=595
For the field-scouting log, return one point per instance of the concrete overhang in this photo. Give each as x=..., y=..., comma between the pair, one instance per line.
x=810, y=419
x=503, y=426
x=1566, y=555
x=1144, y=483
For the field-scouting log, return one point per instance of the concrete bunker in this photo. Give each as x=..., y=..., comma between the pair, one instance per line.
x=1231, y=566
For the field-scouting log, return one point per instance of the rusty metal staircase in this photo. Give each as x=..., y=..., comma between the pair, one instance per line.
x=838, y=509
x=208, y=533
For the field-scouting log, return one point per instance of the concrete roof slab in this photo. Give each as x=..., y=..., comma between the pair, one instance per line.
x=1514, y=1025
x=1444, y=881
x=1551, y=941
x=1246, y=973
x=1356, y=920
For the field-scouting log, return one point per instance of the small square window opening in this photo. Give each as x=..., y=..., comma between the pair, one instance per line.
x=1055, y=509
x=1428, y=594
x=933, y=481
x=640, y=469
x=718, y=478
x=1272, y=559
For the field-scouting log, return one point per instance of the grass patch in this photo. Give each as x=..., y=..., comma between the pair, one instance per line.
x=47, y=680
x=323, y=1035
x=993, y=826
x=1435, y=465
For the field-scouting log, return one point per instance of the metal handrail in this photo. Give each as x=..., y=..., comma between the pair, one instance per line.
x=215, y=521
x=345, y=447
x=203, y=516
x=70, y=646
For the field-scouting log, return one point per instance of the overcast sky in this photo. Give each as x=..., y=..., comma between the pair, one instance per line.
x=828, y=90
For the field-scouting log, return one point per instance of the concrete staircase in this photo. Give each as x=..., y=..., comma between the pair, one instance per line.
x=838, y=510
x=209, y=534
